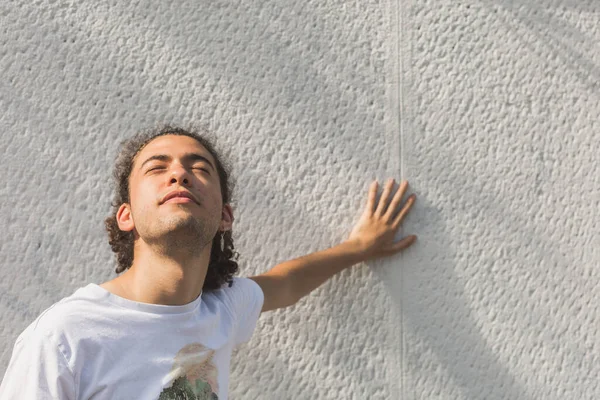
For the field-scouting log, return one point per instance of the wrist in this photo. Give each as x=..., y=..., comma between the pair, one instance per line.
x=356, y=249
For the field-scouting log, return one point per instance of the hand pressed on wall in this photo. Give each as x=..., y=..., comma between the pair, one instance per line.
x=374, y=232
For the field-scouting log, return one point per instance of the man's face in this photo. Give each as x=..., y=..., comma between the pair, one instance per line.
x=174, y=163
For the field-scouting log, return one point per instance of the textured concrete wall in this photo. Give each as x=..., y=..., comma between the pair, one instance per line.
x=489, y=108
x=501, y=300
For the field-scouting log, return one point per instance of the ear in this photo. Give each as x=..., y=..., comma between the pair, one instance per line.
x=226, y=218
x=124, y=219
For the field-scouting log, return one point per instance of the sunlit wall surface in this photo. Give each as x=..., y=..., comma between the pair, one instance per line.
x=488, y=108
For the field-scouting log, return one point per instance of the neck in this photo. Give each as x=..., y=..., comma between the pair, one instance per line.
x=159, y=278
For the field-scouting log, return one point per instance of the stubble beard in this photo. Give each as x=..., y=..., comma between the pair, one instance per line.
x=182, y=236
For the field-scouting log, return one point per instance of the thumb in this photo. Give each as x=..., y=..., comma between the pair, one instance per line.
x=402, y=244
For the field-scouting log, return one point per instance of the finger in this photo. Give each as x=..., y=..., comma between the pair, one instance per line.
x=382, y=206
x=404, y=211
x=403, y=244
x=372, y=196
x=396, y=200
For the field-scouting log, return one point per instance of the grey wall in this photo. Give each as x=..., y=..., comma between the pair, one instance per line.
x=500, y=301
x=489, y=109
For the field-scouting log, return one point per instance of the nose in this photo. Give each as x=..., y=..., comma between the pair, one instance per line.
x=180, y=175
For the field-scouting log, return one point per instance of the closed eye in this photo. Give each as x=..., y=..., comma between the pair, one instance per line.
x=202, y=169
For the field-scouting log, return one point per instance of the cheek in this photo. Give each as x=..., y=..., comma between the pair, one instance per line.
x=216, y=199
x=208, y=194
x=142, y=199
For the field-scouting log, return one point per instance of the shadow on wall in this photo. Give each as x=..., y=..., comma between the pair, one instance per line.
x=435, y=307
x=556, y=34
x=438, y=313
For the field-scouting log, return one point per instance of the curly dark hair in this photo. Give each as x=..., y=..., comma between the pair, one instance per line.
x=222, y=265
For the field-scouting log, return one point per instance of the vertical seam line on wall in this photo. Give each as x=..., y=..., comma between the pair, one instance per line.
x=398, y=122
x=404, y=115
x=400, y=115
x=396, y=132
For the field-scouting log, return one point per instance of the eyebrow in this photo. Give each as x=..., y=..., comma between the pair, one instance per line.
x=186, y=157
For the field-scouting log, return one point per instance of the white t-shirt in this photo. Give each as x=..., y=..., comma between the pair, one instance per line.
x=96, y=345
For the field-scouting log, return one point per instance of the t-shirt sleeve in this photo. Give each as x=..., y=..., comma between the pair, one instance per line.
x=37, y=370
x=247, y=298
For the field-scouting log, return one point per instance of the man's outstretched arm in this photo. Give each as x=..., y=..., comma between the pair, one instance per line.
x=372, y=237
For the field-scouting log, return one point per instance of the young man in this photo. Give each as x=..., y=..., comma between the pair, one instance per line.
x=166, y=326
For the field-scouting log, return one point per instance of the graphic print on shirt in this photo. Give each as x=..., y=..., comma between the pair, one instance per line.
x=194, y=375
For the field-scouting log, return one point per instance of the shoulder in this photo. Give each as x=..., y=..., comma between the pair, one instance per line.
x=245, y=284
x=56, y=324
x=237, y=294
x=239, y=286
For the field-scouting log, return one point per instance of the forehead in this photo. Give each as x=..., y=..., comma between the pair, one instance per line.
x=173, y=145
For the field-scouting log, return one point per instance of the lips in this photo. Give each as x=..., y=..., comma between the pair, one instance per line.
x=179, y=193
